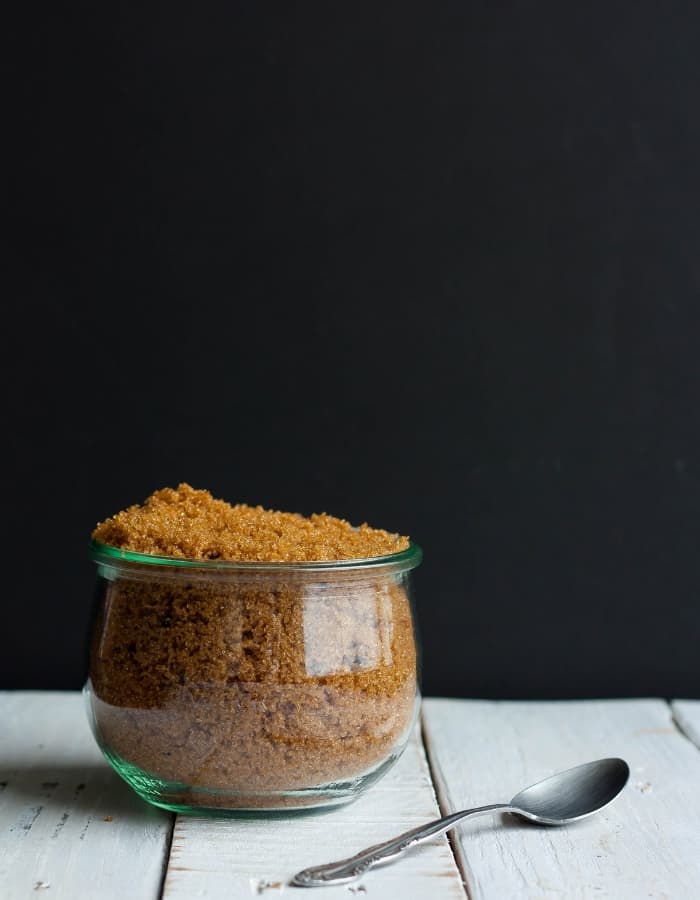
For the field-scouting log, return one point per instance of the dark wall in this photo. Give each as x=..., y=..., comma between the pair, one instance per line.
x=434, y=266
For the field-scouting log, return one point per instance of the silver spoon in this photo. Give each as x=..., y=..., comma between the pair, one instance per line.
x=558, y=800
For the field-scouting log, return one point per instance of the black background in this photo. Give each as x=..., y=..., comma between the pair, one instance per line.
x=434, y=266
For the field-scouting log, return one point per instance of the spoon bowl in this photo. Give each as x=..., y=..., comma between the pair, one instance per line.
x=574, y=794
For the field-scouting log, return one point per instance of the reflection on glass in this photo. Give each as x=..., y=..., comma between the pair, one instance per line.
x=242, y=690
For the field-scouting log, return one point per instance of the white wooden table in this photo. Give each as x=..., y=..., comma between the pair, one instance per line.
x=71, y=829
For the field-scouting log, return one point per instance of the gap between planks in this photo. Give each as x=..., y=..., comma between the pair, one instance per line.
x=113, y=845
x=69, y=826
x=686, y=717
x=644, y=845
x=444, y=809
x=475, y=888
x=240, y=858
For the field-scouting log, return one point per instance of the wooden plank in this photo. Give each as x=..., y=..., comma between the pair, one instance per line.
x=69, y=826
x=240, y=858
x=647, y=844
x=687, y=717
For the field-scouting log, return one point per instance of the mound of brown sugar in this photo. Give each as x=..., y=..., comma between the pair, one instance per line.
x=191, y=524
x=234, y=688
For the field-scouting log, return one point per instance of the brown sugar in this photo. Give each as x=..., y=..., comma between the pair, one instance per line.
x=239, y=688
x=191, y=524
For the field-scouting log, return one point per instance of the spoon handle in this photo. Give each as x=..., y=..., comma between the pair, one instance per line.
x=345, y=870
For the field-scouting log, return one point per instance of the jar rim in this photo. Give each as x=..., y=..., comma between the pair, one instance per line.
x=402, y=561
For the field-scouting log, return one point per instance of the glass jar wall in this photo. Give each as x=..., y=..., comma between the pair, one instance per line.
x=264, y=686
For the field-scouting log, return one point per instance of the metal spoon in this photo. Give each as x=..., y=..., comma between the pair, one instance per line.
x=557, y=800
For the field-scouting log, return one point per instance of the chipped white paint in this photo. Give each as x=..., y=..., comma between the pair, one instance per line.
x=69, y=826
x=687, y=716
x=243, y=858
x=71, y=829
x=646, y=845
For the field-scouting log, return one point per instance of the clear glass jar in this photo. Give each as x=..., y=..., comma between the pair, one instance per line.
x=222, y=687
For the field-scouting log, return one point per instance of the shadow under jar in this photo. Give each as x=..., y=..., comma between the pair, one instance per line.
x=229, y=687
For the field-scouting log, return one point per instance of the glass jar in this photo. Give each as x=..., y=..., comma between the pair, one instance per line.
x=220, y=686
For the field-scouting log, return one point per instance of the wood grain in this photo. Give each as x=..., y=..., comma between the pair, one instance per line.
x=70, y=828
x=646, y=845
x=220, y=858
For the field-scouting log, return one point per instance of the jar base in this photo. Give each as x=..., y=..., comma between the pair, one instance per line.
x=197, y=801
